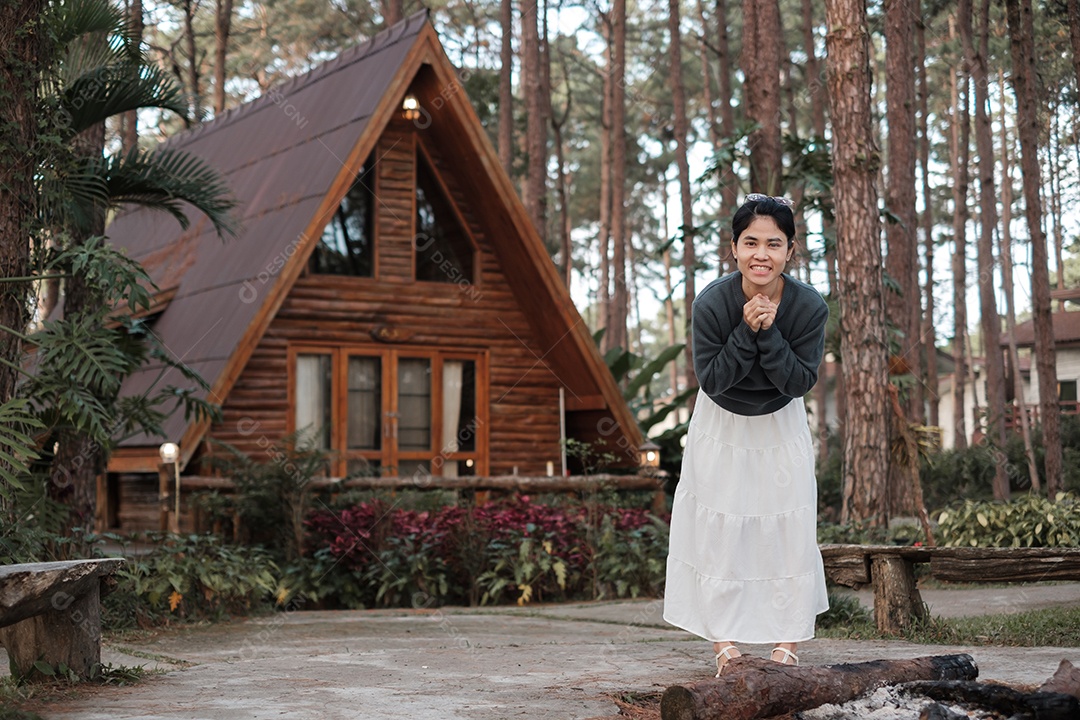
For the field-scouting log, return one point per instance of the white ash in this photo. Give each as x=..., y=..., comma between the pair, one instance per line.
x=888, y=703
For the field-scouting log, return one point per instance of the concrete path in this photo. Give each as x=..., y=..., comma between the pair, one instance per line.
x=547, y=662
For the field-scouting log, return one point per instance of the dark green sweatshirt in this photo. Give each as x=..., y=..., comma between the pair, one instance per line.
x=758, y=373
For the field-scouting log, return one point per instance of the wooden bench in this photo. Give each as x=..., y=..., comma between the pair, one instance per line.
x=52, y=612
x=890, y=570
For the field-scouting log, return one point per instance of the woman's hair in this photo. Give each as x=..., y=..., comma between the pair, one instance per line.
x=768, y=207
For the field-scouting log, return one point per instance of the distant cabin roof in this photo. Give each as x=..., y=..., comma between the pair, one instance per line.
x=1066, y=330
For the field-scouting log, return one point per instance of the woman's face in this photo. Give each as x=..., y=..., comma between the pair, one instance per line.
x=762, y=252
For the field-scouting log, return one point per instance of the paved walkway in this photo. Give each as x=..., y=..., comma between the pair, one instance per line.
x=548, y=662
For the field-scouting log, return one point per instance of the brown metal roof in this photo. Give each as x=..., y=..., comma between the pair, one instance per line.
x=1066, y=330
x=281, y=154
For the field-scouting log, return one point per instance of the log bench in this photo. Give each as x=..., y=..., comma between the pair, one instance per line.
x=52, y=612
x=890, y=570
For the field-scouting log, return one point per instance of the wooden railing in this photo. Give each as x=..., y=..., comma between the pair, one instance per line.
x=1012, y=414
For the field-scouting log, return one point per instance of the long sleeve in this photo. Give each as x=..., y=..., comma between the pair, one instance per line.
x=721, y=359
x=791, y=364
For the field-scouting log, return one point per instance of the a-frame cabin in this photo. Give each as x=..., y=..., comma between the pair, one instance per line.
x=387, y=290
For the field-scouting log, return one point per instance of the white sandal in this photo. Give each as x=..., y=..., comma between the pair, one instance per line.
x=725, y=653
x=787, y=655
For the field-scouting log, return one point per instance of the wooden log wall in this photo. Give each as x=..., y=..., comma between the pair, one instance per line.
x=338, y=310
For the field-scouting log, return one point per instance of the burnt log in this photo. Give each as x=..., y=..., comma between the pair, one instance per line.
x=755, y=688
x=999, y=698
x=1065, y=680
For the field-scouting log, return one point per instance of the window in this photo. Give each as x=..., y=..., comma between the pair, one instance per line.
x=407, y=412
x=444, y=252
x=1067, y=391
x=347, y=245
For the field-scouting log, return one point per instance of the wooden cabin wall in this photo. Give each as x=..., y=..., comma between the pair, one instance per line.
x=332, y=310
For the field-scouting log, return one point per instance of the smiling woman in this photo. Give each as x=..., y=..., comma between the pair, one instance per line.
x=743, y=564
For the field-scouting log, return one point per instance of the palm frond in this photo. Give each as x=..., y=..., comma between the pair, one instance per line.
x=167, y=180
x=69, y=20
x=94, y=96
x=17, y=448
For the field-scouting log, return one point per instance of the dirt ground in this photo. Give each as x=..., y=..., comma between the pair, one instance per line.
x=555, y=661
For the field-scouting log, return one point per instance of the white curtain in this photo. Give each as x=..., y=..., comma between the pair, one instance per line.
x=311, y=393
x=452, y=383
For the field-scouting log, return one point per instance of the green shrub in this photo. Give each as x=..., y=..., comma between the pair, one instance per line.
x=190, y=577
x=630, y=562
x=844, y=611
x=1029, y=521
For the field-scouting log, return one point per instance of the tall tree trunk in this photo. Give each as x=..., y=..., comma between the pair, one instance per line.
x=506, y=88
x=535, y=120
x=929, y=333
x=193, y=75
x=669, y=299
x=222, y=27
x=814, y=79
x=729, y=180
x=706, y=77
x=990, y=320
x=1022, y=42
x=605, y=183
x=79, y=459
x=1074, y=35
x=762, y=43
x=682, y=130
x=863, y=346
x=1054, y=158
x=902, y=262
x=130, y=122
x=563, y=184
x=1010, y=303
x=393, y=11
x=619, y=310
x=23, y=52
x=960, y=142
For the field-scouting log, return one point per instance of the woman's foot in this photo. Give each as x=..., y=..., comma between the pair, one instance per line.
x=784, y=653
x=725, y=652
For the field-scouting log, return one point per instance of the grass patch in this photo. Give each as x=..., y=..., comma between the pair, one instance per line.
x=1053, y=627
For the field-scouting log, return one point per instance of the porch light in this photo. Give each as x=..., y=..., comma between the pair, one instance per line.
x=650, y=454
x=410, y=107
x=170, y=454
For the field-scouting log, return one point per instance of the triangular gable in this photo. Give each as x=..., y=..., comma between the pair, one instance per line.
x=312, y=137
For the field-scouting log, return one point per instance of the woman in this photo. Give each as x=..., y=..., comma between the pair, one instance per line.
x=743, y=564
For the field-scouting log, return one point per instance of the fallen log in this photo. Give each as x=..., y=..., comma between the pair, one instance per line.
x=1065, y=680
x=999, y=698
x=755, y=688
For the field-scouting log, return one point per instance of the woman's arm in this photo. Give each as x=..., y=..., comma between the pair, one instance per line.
x=720, y=361
x=792, y=364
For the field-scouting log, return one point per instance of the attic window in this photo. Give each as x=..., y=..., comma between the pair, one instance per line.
x=347, y=246
x=443, y=250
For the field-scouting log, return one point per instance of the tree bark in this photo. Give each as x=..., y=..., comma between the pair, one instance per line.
x=130, y=123
x=1006, y=701
x=706, y=77
x=1021, y=37
x=763, y=38
x=929, y=332
x=604, y=300
x=902, y=262
x=729, y=181
x=864, y=345
x=756, y=688
x=1010, y=302
x=506, y=88
x=562, y=185
x=814, y=79
x=1073, y=9
x=620, y=299
x=535, y=118
x=960, y=141
x=988, y=312
x=23, y=52
x=222, y=27
x=193, y=74
x=393, y=11
x=682, y=130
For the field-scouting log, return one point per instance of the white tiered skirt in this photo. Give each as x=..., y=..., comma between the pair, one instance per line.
x=743, y=562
